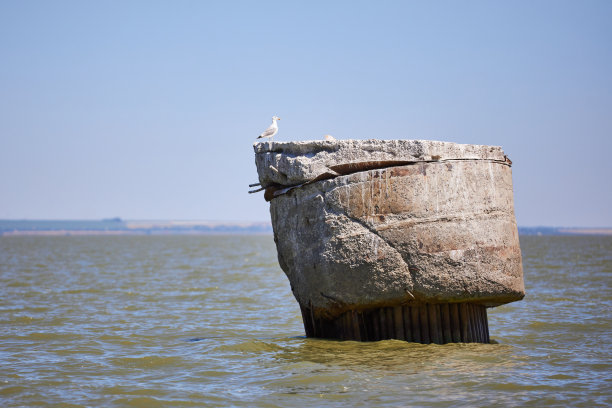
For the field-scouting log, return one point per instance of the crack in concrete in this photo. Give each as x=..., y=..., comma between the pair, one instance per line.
x=375, y=232
x=275, y=190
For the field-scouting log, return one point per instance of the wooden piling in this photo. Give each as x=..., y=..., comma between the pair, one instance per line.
x=455, y=322
x=416, y=324
x=421, y=323
x=446, y=323
x=432, y=314
x=408, y=336
x=398, y=316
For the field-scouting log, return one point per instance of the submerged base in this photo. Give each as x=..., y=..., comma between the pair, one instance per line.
x=423, y=323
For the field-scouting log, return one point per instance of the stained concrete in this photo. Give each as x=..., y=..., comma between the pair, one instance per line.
x=369, y=224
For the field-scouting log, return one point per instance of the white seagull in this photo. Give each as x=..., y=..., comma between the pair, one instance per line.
x=272, y=130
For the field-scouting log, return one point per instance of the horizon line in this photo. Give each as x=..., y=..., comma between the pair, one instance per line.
x=187, y=221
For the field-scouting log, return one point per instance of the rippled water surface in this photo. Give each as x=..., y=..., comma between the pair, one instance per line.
x=210, y=321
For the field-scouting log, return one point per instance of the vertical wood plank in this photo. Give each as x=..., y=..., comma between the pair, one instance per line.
x=398, y=317
x=471, y=331
x=376, y=324
x=424, y=318
x=415, y=324
x=455, y=322
x=476, y=313
x=434, y=334
x=486, y=323
x=364, y=324
x=407, y=324
x=481, y=330
x=347, y=325
x=439, y=319
x=382, y=314
x=355, y=323
x=446, y=324
x=463, y=316
x=306, y=320
x=390, y=323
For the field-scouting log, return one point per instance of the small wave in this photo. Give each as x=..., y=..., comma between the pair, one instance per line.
x=150, y=402
x=251, y=346
x=13, y=390
x=145, y=402
x=82, y=291
x=50, y=336
x=124, y=390
x=147, y=361
x=194, y=339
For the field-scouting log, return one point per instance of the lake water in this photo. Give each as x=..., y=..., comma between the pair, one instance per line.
x=157, y=321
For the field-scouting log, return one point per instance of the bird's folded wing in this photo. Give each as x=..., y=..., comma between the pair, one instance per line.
x=269, y=131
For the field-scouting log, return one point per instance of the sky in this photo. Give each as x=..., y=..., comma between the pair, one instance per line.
x=148, y=110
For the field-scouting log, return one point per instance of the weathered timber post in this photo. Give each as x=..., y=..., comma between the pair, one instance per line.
x=402, y=239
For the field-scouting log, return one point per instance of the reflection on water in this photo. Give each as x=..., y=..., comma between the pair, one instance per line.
x=210, y=321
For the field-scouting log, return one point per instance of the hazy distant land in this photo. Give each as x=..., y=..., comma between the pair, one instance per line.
x=117, y=226
x=564, y=231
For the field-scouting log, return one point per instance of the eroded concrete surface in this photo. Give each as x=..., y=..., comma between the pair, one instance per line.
x=363, y=224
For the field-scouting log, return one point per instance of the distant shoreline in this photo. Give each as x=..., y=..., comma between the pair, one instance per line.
x=66, y=233
x=587, y=231
x=567, y=231
x=117, y=226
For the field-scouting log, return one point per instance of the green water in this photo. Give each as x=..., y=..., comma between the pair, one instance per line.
x=210, y=321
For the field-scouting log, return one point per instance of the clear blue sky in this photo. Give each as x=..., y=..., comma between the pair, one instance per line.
x=148, y=109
